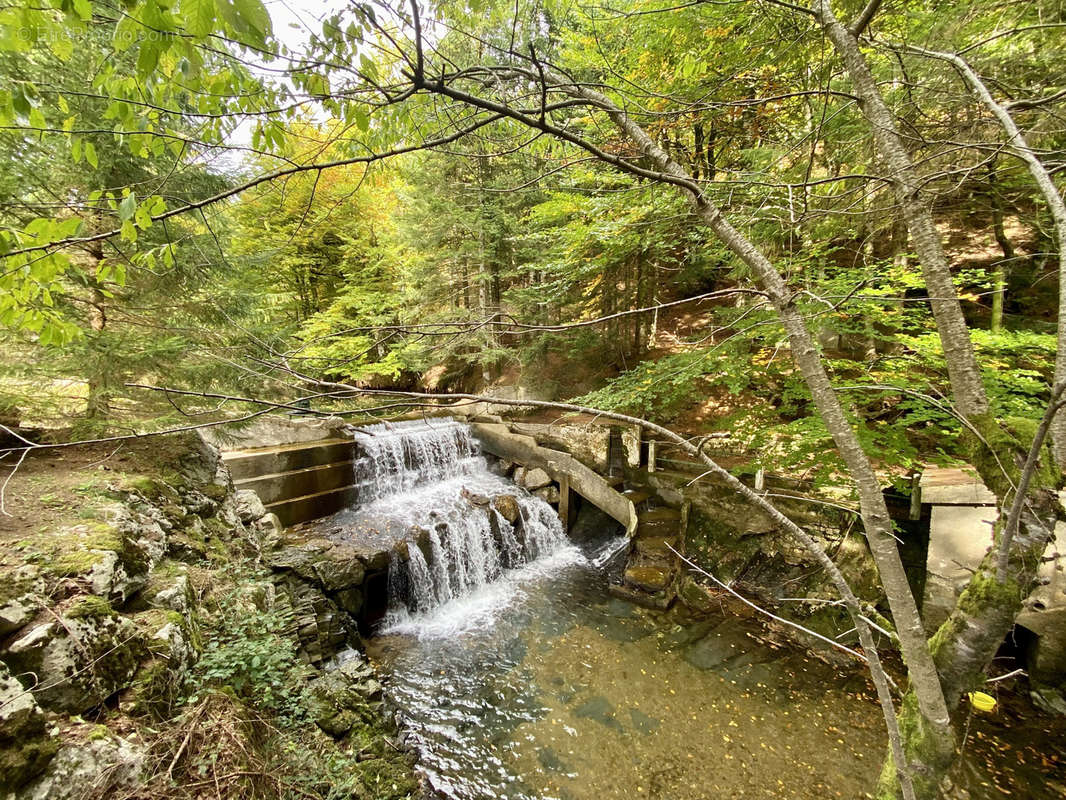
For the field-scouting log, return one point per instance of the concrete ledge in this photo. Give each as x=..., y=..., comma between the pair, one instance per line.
x=499, y=440
x=954, y=487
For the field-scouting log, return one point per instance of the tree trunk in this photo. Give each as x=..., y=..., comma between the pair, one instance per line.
x=934, y=720
x=1000, y=269
x=98, y=400
x=967, y=389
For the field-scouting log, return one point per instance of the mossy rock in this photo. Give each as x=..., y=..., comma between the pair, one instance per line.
x=696, y=597
x=88, y=607
x=25, y=744
x=79, y=661
x=173, y=643
x=158, y=489
x=345, y=698
x=649, y=578
x=189, y=544
x=103, y=558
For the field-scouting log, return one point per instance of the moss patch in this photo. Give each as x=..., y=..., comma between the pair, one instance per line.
x=90, y=606
x=929, y=756
x=156, y=488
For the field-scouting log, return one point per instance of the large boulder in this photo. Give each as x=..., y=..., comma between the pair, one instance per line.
x=80, y=658
x=110, y=559
x=25, y=745
x=102, y=766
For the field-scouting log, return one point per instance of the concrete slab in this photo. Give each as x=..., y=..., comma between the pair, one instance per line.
x=954, y=486
x=959, y=537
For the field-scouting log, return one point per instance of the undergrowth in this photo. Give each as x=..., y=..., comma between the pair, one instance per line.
x=241, y=726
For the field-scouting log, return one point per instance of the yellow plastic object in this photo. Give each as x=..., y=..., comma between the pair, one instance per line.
x=982, y=701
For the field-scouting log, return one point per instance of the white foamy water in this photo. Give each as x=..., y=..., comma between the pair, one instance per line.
x=480, y=608
x=463, y=555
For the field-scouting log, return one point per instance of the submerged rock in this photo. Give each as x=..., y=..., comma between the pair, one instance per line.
x=648, y=577
x=697, y=597
x=726, y=643
x=601, y=710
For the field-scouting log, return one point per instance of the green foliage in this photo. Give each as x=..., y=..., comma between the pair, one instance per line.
x=250, y=653
x=655, y=390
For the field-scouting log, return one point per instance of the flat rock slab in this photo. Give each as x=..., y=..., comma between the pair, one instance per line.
x=660, y=522
x=658, y=601
x=333, y=565
x=599, y=709
x=657, y=547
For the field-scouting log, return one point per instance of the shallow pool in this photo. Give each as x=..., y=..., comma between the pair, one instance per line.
x=542, y=686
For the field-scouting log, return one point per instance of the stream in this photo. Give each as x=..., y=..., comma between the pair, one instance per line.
x=542, y=686
x=512, y=673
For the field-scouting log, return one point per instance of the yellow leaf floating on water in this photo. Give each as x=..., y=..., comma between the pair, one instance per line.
x=982, y=701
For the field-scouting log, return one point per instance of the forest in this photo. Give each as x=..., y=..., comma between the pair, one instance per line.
x=819, y=240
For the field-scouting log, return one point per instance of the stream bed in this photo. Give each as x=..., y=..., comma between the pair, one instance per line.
x=542, y=686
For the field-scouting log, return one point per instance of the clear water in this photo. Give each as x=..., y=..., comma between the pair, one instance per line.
x=540, y=686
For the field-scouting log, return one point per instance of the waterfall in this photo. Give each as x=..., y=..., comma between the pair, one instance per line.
x=430, y=481
x=395, y=457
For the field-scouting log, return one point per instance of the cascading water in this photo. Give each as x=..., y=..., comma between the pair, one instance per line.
x=462, y=527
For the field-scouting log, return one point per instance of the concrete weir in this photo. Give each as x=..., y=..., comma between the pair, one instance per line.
x=297, y=481
x=563, y=468
x=302, y=469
